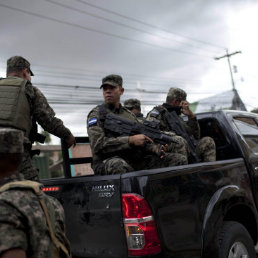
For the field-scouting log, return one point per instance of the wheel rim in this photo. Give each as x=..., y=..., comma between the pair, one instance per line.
x=238, y=250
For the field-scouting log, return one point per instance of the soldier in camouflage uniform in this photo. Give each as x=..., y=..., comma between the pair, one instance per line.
x=134, y=105
x=24, y=228
x=176, y=101
x=31, y=103
x=112, y=155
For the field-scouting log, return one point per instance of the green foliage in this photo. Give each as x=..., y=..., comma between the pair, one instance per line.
x=255, y=110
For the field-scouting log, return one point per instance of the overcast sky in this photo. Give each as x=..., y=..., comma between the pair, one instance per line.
x=153, y=44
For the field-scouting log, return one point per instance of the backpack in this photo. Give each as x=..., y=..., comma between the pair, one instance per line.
x=56, y=248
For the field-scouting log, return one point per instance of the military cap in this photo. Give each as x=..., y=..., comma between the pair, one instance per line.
x=11, y=140
x=177, y=93
x=18, y=62
x=113, y=80
x=132, y=103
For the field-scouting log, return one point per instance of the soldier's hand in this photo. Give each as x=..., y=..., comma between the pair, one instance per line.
x=139, y=140
x=160, y=150
x=70, y=141
x=186, y=109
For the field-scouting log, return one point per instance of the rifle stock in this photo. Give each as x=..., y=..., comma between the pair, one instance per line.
x=124, y=127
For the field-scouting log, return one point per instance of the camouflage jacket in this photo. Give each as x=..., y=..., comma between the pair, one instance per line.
x=105, y=147
x=23, y=223
x=192, y=126
x=43, y=113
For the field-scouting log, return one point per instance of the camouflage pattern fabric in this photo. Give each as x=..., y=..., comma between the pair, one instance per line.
x=105, y=148
x=26, y=167
x=132, y=103
x=205, y=149
x=23, y=224
x=45, y=116
x=113, y=80
x=11, y=140
x=179, y=147
x=192, y=126
x=117, y=165
x=18, y=62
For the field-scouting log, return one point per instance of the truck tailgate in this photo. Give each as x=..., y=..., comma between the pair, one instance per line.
x=93, y=213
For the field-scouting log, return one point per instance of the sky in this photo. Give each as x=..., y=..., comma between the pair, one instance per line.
x=153, y=45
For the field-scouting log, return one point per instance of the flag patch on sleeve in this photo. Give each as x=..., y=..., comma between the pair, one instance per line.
x=92, y=121
x=155, y=112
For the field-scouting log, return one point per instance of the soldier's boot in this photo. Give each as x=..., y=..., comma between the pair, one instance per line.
x=206, y=149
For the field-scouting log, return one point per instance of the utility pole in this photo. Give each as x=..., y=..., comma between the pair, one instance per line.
x=228, y=56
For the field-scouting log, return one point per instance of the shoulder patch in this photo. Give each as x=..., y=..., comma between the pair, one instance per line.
x=92, y=121
x=155, y=112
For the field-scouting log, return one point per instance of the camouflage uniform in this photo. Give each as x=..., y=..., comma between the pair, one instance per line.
x=205, y=147
x=179, y=147
x=23, y=223
x=134, y=104
x=112, y=155
x=39, y=110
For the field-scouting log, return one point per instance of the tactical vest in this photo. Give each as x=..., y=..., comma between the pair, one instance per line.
x=56, y=248
x=14, y=106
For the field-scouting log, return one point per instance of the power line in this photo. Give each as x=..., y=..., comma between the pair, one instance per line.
x=122, y=24
x=99, y=31
x=148, y=24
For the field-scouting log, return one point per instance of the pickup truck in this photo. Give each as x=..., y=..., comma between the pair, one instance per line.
x=198, y=210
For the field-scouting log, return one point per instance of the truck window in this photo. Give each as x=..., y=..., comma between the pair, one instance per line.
x=249, y=129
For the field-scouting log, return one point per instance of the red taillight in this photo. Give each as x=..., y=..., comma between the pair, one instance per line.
x=141, y=233
x=50, y=189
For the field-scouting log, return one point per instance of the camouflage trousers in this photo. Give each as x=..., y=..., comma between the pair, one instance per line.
x=117, y=165
x=180, y=146
x=27, y=169
x=206, y=149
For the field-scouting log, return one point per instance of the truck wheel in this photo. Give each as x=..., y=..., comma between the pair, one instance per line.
x=235, y=241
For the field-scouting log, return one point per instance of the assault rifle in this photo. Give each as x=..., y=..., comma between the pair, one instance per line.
x=124, y=127
x=179, y=129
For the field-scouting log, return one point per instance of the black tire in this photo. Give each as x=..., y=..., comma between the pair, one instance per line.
x=234, y=239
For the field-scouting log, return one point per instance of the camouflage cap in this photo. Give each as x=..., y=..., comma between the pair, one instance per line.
x=132, y=103
x=18, y=62
x=177, y=93
x=113, y=80
x=11, y=140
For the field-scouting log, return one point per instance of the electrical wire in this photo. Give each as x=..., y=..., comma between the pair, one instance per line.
x=123, y=24
x=148, y=24
x=100, y=31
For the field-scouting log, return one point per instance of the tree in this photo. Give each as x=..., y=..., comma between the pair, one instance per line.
x=255, y=110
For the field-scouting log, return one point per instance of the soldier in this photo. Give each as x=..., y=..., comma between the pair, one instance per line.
x=134, y=105
x=31, y=223
x=176, y=102
x=24, y=102
x=112, y=155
